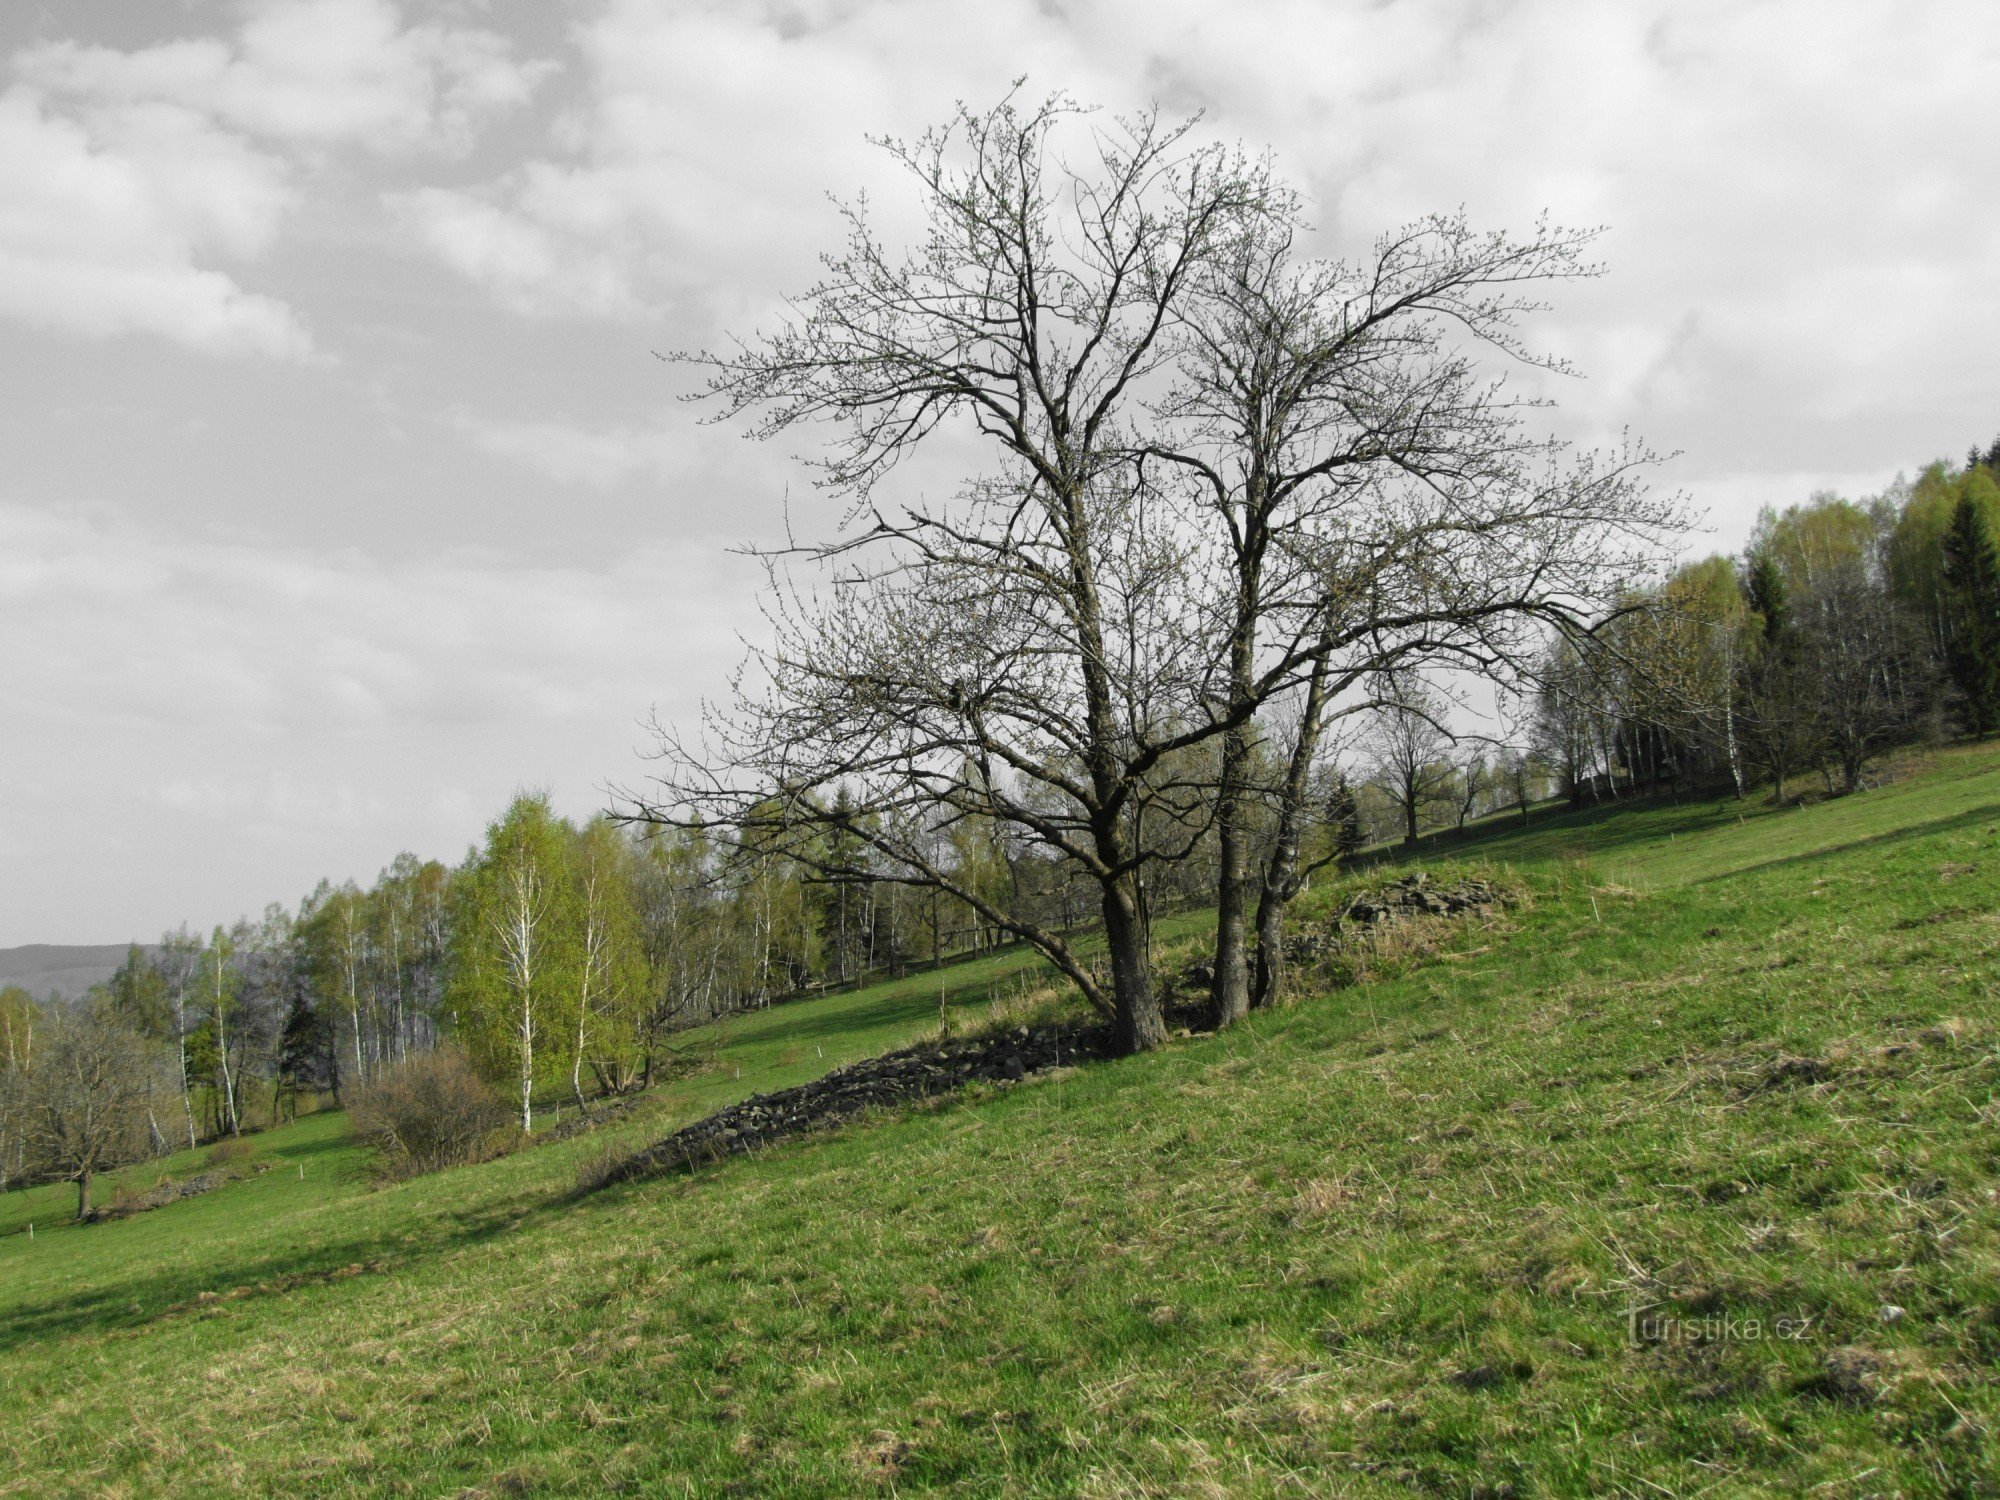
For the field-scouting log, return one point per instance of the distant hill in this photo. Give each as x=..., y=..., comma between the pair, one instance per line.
x=65, y=969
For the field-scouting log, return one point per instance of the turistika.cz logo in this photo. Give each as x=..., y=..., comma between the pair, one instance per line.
x=1648, y=1325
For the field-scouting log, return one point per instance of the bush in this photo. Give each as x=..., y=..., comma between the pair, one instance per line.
x=429, y=1112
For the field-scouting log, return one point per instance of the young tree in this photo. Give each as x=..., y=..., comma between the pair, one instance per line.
x=220, y=985
x=180, y=962
x=1471, y=781
x=1571, y=711
x=608, y=962
x=137, y=990
x=1519, y=772
x=340, y=918
x=1780, y=699
x=1856, y=647
x=515, y=965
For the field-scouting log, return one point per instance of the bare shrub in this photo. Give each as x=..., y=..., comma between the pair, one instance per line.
x=125, y=1200
x=429, y=1112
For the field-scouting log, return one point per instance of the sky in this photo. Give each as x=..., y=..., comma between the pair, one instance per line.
x=344, y=493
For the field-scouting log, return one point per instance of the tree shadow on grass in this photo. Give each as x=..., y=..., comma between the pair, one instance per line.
x=129, y=1305
x=1908, y=833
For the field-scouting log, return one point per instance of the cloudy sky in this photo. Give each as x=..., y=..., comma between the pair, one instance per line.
x=343, y=494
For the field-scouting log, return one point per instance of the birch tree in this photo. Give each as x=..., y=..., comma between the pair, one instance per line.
x=180, y=958
x=608, y=962
x=513, y=965
x=220, y=983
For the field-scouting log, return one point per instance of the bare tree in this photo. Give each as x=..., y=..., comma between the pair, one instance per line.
x=1409, y=750
x=1472, y=779
x=19, y=1016
x=1037, y=311
x=86, y=1095
x=1335, y=422
x=1287, y=867
x=1865, y=653
x=951, y=687
x=1188, y=428
x=1519, y=774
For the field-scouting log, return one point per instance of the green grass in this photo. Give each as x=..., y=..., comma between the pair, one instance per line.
x=1385, y=1240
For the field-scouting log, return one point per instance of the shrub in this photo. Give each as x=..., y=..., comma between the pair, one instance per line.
x=429, y=1112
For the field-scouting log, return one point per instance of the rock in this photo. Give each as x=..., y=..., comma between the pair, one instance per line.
x=1891, y=1313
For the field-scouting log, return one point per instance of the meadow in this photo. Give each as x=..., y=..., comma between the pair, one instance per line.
x=1678, y=1176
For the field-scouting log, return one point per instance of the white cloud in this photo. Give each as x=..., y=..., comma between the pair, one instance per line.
x=102, y=234
x=526, y=265
x=1802, y=239
x=317, y=72
x=124, y=176
x=698, y=164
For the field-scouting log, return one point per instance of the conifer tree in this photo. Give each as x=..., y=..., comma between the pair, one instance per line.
x=1972, y=579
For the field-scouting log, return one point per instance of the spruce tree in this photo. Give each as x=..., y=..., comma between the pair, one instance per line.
x=1767, y=595
x=1972, y=581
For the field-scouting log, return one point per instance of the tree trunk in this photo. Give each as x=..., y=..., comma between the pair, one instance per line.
x=527, y=1064
x=1281, y=872
x=1231, y=988
x=1136, y=1021
x=83, y=1193
x=187, y=1093
x=1270, y=977
x=576, y=1062
x=230, y=1118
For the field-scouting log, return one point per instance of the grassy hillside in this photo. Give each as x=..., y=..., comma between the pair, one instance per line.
x=1725, y=1076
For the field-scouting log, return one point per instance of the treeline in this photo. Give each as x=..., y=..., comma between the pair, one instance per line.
x=563, y=957
x=1846, y=628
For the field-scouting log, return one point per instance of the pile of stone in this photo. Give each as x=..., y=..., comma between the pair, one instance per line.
x=165, y=1193
x=896, y=1078
x=1412, y=896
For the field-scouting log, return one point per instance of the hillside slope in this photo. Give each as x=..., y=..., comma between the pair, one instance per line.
x=1680, y=1177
